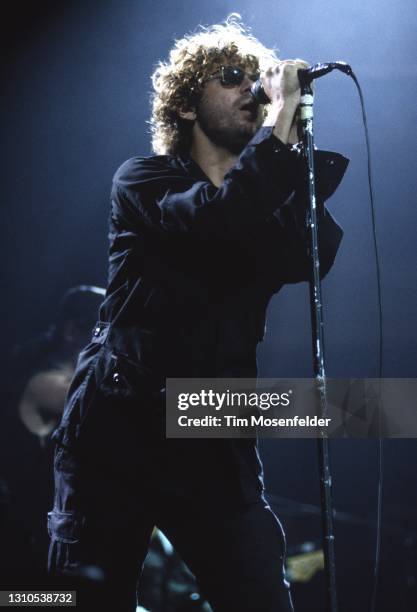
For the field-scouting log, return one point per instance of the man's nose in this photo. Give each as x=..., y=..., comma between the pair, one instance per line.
x=246, y=84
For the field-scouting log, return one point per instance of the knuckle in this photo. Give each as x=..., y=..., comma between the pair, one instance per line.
x=288, y=68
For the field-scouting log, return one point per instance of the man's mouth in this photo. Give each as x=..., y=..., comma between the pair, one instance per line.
x=251, y=107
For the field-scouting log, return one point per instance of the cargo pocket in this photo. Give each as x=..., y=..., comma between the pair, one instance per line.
x=117, y=377
x=65, y=530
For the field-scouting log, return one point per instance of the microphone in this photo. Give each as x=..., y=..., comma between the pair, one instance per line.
x=305, y=76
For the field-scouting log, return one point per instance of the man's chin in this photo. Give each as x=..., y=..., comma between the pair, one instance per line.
x=241, y=140
x=248, y=132
x=234, y=139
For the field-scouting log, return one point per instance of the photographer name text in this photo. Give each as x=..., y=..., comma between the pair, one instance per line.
x=230, y=420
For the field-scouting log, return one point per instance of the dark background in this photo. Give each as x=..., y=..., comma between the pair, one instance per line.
x=76, y=85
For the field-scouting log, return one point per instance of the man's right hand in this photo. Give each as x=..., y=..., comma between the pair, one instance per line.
x=282, y=86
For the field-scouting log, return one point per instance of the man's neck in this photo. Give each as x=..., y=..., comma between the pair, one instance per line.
x=214, y=161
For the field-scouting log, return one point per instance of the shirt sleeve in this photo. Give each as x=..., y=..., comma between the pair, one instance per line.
x=266, y=182
x=292, y=248
x=261, y=181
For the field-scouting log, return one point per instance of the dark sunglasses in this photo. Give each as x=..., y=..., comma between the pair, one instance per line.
x=231, y=76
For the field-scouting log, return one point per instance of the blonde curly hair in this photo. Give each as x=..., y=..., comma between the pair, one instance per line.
x=178, y=83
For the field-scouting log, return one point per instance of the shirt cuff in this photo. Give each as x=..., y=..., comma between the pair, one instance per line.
x=265, y=135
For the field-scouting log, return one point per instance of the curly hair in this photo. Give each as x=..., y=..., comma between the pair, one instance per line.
x=178, y=83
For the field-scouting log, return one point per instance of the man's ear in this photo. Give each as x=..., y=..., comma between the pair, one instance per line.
x=189, y=115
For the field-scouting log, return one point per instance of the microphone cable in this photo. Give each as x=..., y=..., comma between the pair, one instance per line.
x=380, y=353
x=348, y=70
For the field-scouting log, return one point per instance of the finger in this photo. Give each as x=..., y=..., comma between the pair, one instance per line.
x=270, y=71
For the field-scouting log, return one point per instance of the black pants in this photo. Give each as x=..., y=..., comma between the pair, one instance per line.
x=101, y=526
x=116, y=477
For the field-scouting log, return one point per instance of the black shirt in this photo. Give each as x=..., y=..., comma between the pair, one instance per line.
x=192, y=268
x=210, y=258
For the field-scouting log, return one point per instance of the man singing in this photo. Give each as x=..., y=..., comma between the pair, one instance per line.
x=201, y=236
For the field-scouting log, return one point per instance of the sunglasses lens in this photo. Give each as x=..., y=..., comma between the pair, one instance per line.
x=232, y=76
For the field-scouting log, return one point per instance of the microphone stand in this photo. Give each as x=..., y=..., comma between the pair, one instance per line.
x=306, y=124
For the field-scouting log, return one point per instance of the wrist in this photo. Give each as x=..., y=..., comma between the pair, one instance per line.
x=281, y=116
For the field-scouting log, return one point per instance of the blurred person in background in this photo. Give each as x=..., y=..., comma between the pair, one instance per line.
x=38, y=379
